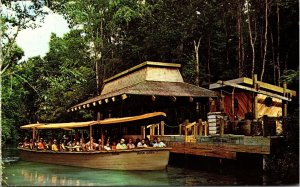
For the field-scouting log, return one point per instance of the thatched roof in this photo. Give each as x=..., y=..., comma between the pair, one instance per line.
x=155, y=88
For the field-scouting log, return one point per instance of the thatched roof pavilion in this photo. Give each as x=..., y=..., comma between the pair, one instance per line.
x=148, y=87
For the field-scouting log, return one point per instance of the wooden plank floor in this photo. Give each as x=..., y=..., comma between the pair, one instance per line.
x=220, y=147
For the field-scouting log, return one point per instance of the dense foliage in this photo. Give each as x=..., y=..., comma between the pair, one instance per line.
x=211, y=39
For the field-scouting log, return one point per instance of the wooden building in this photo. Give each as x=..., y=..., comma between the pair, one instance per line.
x=245, y=98
x=237, y=109
x=150, y=87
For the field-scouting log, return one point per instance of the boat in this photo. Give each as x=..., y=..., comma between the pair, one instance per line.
x=149, y=158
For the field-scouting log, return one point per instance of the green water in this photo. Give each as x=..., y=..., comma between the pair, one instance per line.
x=22, y=173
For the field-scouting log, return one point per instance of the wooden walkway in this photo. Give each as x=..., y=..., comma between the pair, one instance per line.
x=216, y=146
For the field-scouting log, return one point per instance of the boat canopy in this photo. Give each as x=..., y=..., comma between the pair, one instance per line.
x=31, y=126
x=108, y=121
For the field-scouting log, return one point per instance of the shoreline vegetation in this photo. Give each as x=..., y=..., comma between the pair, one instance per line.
x=211, y=40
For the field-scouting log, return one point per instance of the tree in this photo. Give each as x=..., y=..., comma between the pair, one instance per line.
x=15, y=16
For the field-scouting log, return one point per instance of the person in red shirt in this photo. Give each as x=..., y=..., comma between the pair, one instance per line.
x=41, y=145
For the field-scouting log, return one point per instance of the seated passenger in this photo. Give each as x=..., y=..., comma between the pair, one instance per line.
x=21, y=144
x=77, y=146
x=90, y=146
x=54, y=146
x=46, y=145
x=82, y=145
x=62, y=145
x=121, y=145
x=113, y=147
x=130, y=144
x=100, y=147
x=40, y=145
x=107, y=147
x=153, y=142
x=159, y=143
x=142, y=144
x=26, y=143
x=31, y=144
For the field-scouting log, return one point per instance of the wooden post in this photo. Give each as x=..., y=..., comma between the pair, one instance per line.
x=151, y=130
x=102, y=137
x=200, y=127
x=143, y=131
x=180, y=128
x=265, y=125
x=158, y=129
x=33, y=133
x=196, y=130
x=98, y=117
x=255, y=99
x=91, y=136
x=222, y=102
x=284, y=103
x=222, y=123
x=162, y=129
x=205, y=128
x=185, y=129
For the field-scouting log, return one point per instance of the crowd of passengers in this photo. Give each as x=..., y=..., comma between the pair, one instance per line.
x=80, y=145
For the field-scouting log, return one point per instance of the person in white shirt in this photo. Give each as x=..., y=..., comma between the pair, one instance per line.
x=159, y=143
x=142, y=144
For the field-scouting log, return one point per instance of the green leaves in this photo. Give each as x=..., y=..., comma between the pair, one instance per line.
x=290, y=76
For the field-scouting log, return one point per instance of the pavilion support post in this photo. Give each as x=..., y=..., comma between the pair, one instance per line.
x=143, y=131
x=98, y=117
x=91, y=132
x=180, y=128
x=205, y=128
x=185, y=129
x=162, y=129
x=102, y=137
x=195, y=130
x=200, y=127
x=158, y=129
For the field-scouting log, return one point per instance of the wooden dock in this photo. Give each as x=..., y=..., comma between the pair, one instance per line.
x=226, y=146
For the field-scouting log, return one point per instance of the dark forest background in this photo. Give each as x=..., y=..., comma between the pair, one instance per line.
x=212, y=40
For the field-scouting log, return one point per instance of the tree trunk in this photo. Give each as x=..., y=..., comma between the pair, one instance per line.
x=97, y=76
x=273, y=58
x=239, y=37
x=252, y=40
x=266, y=41
x=196, y=46
x=278, y=39
x=99, y=61
x=227, y=39
x=208, y=58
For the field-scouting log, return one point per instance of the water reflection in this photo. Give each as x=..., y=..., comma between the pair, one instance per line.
x=21, y=173
x=38, y=174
